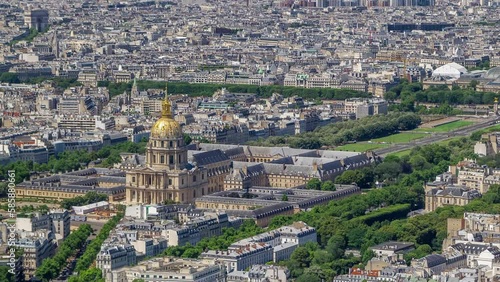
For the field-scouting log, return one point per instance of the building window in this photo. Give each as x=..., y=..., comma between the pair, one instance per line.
x=171, y=144
x=133, y=178
x=170, y=182
x=162, y=159
x=162, y=144
x=170, y=159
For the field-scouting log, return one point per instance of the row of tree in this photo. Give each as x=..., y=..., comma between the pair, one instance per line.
x=222, y=242
x=51, y=267
x=344, y=132
x=92, y=274
x=379, y=216
x=59, y=82
x=89, y=198
x=209, y=89
x=410, y=94
x=316, y=184
x=376, y=216
x=85, y=261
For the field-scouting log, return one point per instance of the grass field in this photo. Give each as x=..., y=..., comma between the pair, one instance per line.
x=407, y=152
x=447, y=126
x=360, y=147
x=401, y=137
x=401, y=153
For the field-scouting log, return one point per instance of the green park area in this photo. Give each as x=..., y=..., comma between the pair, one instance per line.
x=400, y=138
x=447, y=126
x=361, y=147
x=382, y=142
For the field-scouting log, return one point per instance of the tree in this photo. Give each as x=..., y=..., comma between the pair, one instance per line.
x=187, y=139
x=92, y=274
x=89, y=198
x=348, y=177
x=418, y=162
x=493, y=195
x=367, y=256
x=5, y=275
x=328, y=186
x=336, y=246
x=314, y=184
x=473, y=84
x=9, y=77
x=302, y=257
x=191, y=253
x=284, y=198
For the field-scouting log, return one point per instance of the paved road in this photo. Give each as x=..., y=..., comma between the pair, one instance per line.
x=438, y=137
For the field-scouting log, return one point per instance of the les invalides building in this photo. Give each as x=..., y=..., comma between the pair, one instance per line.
x=167, y=174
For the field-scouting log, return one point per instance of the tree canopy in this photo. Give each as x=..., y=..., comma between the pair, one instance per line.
x=209, y=89
x=51, y=267
x=344, y=132
x=90, y=254
x=374, y=217
x=89, y=198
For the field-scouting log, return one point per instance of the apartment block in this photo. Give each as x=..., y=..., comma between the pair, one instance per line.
x=172, y=270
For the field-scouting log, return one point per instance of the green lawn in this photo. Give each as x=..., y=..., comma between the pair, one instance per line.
x=447, y=126
x=401, y=137
x=407, y=152
x=400, y=153
x=360, y=147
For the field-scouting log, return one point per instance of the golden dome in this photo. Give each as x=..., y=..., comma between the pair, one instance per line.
x=166, y=126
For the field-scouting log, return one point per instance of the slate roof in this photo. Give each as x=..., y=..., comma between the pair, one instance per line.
x=469, y=248
x=455, y=191
x=208, y=157
x=434, y=260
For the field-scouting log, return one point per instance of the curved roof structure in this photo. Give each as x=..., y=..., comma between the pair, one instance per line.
x=493, y=73
x=452, y=70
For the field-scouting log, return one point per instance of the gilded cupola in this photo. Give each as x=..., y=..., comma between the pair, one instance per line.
x=166, y=127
